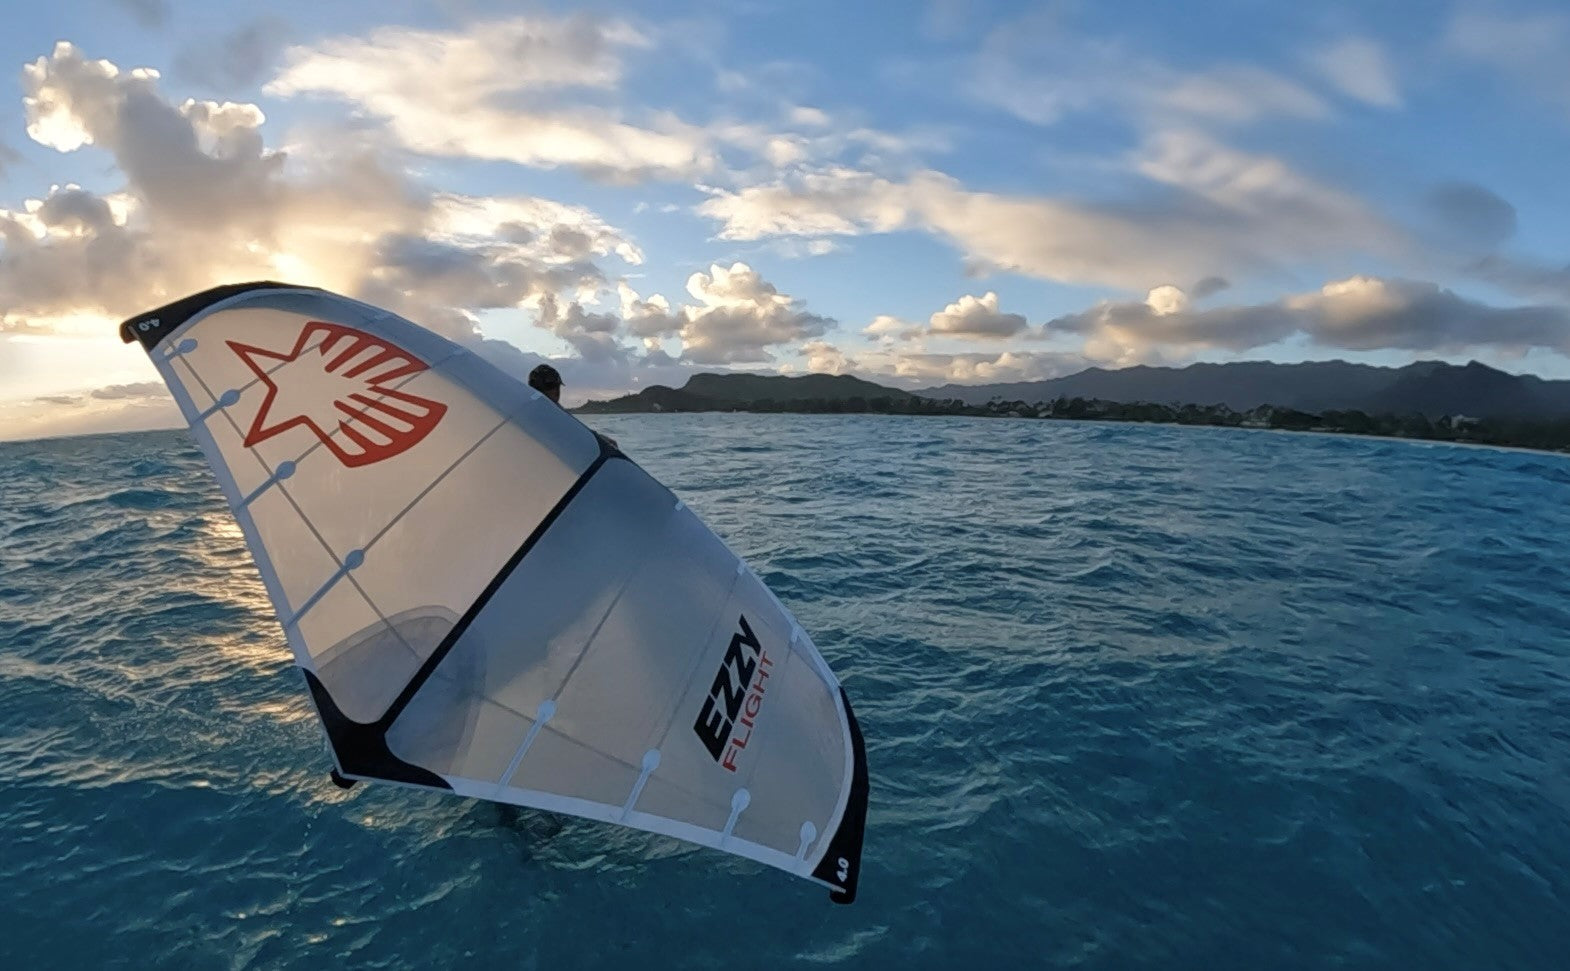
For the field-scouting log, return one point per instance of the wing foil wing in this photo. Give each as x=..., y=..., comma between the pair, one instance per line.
x=485, y=598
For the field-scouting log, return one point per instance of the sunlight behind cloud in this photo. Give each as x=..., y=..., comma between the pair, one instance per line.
x=636, y=198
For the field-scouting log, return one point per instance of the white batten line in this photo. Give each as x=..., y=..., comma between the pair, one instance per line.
x=741, y=566
x=679, y=506
x=809, y=833
x=651, y=761
x=285, y=470
x=738, y=802
x=226, y=400
x=542, y=715
x=350, y=562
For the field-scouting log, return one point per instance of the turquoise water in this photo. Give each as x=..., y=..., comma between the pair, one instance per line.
x=1133, y=697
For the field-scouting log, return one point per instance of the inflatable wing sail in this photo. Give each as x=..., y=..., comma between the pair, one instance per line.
x=486, y=598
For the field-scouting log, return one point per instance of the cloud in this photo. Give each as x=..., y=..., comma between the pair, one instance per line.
x=977, y=317
x=480, y=93
x=888, y=328
x=950, y=19
x=809, y=116
x=1471, y=215
x=802, y=249
x=1038, y=70
x=1359, y=313
x=1237, y=93
x=583, y=379
x=127, y=392
x=1358, y=68
x=117, y=408
x=1166, y=299
x=1266, y=201
x=1528, y=48
x=1525, y=276
x=541, y=91
x=832, y=201
x=1208, y=286
x=592, y=335
x=649, y=319
x=240, y=58
x=918, y=369
x=1225, y=212
x=148, y=13
x=739, y=316
x=984, y=368
x=824, y=358
x=205, y=201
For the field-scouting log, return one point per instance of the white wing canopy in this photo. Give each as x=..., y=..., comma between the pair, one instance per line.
x=486, y=597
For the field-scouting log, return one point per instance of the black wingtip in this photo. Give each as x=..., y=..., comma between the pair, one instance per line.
x=361, y=748
x=152, y=326
x=841, y=865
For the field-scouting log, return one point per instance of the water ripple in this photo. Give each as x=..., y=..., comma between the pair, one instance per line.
x=1133, y=697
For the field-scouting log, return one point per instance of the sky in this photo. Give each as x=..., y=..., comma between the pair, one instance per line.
x=915, y=192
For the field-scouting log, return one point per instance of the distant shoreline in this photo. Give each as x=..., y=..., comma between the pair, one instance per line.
x=1550, y=438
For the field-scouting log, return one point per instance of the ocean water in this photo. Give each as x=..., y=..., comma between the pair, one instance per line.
x=1133, y=697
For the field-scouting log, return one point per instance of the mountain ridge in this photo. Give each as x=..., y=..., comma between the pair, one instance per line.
x=1429, y=388
x=711, y=391
x=1433, y=389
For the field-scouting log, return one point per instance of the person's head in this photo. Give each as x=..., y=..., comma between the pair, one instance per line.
x=546, y=381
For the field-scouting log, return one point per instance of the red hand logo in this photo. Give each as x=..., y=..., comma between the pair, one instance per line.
x=338, y=383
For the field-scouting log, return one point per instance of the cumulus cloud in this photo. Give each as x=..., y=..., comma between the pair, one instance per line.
x=975, y=317
x=885, y=327
x=477, y=93
x=1359, y=68
x=1359, y=313
x=739, y=316
x=824, y=358
x=593, y=335
x=983, y=368
x=649, y=319
x=583, y=379
x=206, y=201
x=1166, y=299
x=915, y=369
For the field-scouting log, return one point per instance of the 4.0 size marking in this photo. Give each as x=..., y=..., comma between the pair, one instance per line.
x=735, y=697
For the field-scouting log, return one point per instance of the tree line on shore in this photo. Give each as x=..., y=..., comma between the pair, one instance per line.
x=1549, y=435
